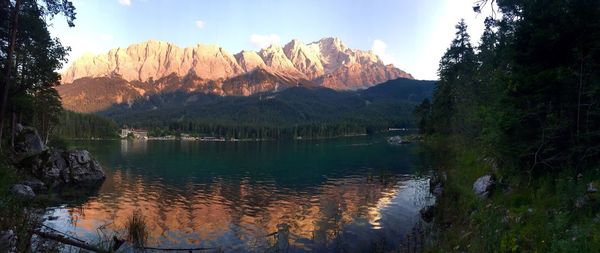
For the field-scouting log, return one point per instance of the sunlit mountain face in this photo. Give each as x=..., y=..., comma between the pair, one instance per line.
x=153, y=67
x=317, y=196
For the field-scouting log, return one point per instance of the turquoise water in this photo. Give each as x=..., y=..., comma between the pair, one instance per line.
x=349, y=194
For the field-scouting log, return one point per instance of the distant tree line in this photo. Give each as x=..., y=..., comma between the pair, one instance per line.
x=268, y=131
x=72, y=125
x=530, y=92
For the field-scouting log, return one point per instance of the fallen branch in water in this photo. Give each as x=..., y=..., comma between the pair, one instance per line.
x=68, y=241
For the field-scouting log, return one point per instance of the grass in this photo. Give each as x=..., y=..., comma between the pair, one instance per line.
x=137, y=229
x=15, y=214
x=520, y=216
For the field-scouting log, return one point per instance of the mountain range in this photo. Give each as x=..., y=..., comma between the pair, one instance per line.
x=94, y=83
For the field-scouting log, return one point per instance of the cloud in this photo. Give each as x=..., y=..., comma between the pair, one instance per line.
x=262, y=41
x=125, y=2
x=199, y=24
x=380, y=49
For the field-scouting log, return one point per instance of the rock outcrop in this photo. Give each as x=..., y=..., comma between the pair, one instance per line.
x=22, y=191
x=58, y=168
x=35, y=184
x=152, y=67
x=8, y=241
x=28, y=142
x=53, y=167
x=483, y=186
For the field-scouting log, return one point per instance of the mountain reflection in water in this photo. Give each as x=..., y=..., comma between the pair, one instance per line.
x=327, y=195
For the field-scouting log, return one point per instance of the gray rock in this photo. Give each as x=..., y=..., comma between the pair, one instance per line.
x=22, y=191
x=8, y=241
x=592, y=188
x=28, y=142
x=436, y=184
x=66, y=168
x=438, y=190
x=396, y=140
x=83, y=169
x=483, y=186
x=35, y=184
x=427, y=213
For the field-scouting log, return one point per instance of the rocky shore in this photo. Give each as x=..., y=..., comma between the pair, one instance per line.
x=47, y=168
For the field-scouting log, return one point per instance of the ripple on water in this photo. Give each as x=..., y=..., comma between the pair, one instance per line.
x=316, y=204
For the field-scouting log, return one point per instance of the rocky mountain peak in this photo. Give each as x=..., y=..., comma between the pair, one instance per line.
x=151, y=67
x=275, y=59
x=305, y=59
x=249, y=60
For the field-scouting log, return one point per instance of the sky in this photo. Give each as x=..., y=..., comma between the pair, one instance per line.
x=412, y=35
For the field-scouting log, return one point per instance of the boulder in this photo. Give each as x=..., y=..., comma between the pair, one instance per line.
x=483, y=186
x=28, y=142
x=427, y=213
x=66, y=168
x=83, y=169
x=436, y=184
x=396, y=140
x=8, y=241
x=437, y=190
x=35, y=184
x=591, y=188
x=22, y=191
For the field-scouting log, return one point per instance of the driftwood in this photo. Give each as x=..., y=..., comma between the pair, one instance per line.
x=68, y=241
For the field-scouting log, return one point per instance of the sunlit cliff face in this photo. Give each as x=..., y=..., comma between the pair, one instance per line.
x=223, y=212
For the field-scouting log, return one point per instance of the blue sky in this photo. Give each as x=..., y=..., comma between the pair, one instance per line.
x=410, y=34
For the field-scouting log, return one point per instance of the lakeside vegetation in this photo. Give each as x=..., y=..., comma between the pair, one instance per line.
x=73, y=125
x=522, y=107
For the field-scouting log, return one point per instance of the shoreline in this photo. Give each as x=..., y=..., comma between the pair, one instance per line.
x=216, y=139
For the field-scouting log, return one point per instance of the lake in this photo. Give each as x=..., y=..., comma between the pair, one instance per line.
x=346, y=194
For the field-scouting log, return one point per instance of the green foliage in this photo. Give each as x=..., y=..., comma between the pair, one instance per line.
x=520, y=216
x=528, y=100
x=74, y=125
x=47, y=109
x=529, y=93
x=32, y=100
x=14, y=213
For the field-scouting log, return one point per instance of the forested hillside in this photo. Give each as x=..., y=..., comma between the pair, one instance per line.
x=73, y=125
x=523, y=107
x=292, y=113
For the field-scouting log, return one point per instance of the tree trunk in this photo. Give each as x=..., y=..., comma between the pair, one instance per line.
x=9, y=62
x=13, y=133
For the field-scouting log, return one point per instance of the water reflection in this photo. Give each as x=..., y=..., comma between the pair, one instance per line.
x=133, y=146
x=336, y=208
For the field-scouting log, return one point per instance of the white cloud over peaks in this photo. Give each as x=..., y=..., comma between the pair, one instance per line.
x=199, y=24
x=380, y=49
x=125, y=2
x=262, y=41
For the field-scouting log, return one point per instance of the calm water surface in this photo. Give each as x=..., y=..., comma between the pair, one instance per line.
x=349, y=194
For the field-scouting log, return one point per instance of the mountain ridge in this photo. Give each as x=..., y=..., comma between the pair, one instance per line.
x=153, y=67
x=154, y=59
